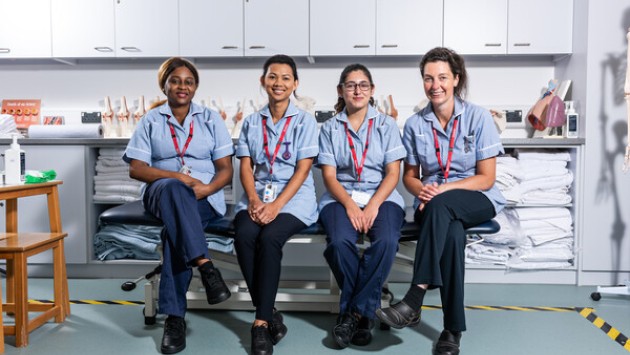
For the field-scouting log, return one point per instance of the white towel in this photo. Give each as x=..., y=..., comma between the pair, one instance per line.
x=541, y=154
x=534, y=213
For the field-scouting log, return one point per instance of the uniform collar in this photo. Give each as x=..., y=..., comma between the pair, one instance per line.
x=429, y=116
x=165, y=109
x=292, y=110
x=371, y=113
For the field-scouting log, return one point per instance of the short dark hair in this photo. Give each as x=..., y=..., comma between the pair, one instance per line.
x=455, y=62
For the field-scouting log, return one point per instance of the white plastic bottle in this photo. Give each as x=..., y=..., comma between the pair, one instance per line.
x=13, y=163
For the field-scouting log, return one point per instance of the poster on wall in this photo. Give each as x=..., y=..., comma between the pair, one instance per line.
x=25, y=112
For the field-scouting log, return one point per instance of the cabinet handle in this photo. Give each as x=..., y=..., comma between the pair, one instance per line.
x=361, y=46
x=493, y=44
x=256, y=47
x=5, y=50
x=104, y=49
x=229, y=47
x=522, y=44
x=131, y=49
x=389, y=46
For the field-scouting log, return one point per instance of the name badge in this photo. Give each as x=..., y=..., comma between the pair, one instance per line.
x=185, y=169
x=360, y=197
x=269, y=194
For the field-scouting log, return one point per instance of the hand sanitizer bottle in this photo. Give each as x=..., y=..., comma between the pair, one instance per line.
x=13, y=163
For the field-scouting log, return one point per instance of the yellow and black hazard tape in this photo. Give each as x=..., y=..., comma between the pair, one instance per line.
x=612, y=333
x=94, y=302
x=511, y=308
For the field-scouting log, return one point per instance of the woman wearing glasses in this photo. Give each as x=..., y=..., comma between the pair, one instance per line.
x=450, y=167
x=360, y=151
x=277, y=146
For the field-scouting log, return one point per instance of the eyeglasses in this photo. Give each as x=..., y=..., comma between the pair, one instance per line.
x=351, y=85
x=178, y=82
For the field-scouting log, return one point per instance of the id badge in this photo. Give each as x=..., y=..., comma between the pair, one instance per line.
x=185, y=169
x=360, y=197
x=269, y=194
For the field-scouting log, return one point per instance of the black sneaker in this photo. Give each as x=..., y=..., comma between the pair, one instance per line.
x=261, y=341
x=174, y=339
x=216, y=289
x=363, y=336
x=277, y=329
x=345, y=329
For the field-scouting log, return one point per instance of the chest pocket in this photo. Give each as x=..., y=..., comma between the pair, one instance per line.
x=426, y=153
x=469, y=151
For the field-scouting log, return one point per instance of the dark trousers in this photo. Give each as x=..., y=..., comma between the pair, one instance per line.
x=440, y=251
x=259, y=253
x=361, y=278
x=183, y=239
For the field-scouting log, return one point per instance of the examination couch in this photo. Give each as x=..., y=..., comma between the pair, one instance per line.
x=293, y=295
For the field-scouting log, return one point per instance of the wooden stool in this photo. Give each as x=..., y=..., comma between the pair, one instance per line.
x=16, y=248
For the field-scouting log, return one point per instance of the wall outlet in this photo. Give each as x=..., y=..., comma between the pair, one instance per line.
x=90, y=117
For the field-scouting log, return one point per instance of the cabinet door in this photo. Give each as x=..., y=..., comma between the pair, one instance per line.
x=25, y=29
x=276, y=26
x=540, y=27
x=475, y=27
x=211, y=28
x=83, y=28
x=343, y=27
x=146, y=28
x=408, y=27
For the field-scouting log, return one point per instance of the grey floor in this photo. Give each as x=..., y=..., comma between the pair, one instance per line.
x=120, y=329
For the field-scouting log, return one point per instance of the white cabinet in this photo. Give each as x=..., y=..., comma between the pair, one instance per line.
x=508, y=26
x=276, y=27
x=147, y=28
x=343, y=27
x=83, y=28
x=475, y=27
x=540, y=26
x=210, y=28
x=408, y=27
x=25, y=29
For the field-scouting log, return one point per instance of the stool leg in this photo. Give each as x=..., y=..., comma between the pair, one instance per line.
x=21, y=301
x=60, y=286
x=1, y=323
x=10, y=282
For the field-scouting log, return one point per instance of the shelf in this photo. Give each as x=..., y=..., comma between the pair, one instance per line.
x=543, y=142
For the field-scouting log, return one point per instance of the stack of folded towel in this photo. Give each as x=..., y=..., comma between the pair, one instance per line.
x=112, y=182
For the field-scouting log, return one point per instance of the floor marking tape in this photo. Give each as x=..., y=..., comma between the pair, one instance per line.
x=612, y=333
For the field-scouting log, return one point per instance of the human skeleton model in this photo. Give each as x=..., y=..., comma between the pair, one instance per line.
x=626, y=89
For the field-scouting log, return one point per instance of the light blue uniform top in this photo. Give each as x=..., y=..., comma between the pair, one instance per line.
x=152, y=143
x=476, y=139
x=385, y=146
x=301, y=143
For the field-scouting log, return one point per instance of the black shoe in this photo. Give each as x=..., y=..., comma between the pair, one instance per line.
x=174, y=339
x=399, y=315
x=216, y=289
x=261, y=341
x=277, y=329
x=363, y=336
x=345, y=329
x=448, y=343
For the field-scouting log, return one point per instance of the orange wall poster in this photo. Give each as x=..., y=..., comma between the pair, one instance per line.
x=25, y=112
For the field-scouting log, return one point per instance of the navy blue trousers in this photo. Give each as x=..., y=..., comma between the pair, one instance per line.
x=361, y=278
x=440, y=255
x=259, y=254
x=183, y=239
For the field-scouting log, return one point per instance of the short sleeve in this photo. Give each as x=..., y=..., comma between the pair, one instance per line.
x=223, y=141
x=307, y=138
x=326, y=154
x=139, y=146
x=393, y=147
x=410, y=143
x=242, y=148
x=488, y=140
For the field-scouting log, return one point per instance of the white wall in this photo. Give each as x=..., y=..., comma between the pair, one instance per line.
x=606, y=242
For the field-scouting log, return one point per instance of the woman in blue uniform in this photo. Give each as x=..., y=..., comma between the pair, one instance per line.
x=450, y=167
x=360, y=154
x=183, y=152
x=277, y=146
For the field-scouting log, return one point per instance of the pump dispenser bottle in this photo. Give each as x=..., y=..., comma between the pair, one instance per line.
x=13, y=163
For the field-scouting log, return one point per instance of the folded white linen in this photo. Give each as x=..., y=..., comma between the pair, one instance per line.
x=114, y=198
x=535, y=213
x=552, y=182
x=542, y=154
x=546, y=198
x=112, y=152
x=118, y=189
x=112, y=177
x=111, y=169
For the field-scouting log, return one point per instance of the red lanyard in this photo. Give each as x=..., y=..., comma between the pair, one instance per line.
x=359, y=168
x=174, y=136
x=451, y=145
x=266, y=141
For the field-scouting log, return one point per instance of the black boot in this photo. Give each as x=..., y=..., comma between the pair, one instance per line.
x=277, y=329
x=216, y=289
x=345, y=329
x=174, y=338
x=261, y=341
x=363, y=336
x=399, y=315
x=448, y=343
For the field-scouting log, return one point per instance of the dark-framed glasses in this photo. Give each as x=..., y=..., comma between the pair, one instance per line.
x=351, y=86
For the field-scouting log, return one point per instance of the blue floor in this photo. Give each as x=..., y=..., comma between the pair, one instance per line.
x=120, y=329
